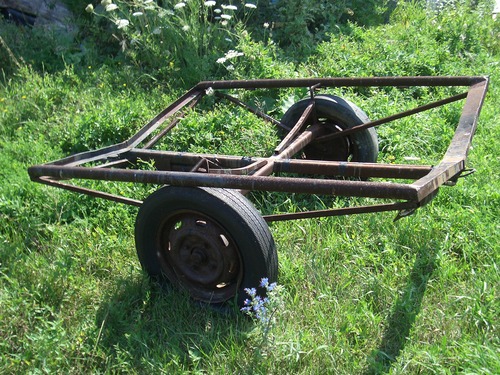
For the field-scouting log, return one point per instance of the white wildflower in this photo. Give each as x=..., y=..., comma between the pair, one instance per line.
x=105, y=2
x=225, y=16
x=210, y=91
x=210, y=3
x=250, y=5
x=179, y=5
x=89, y=8
x=223, y=23
x=185, y=28
x=218, y=11
x=232, y=54
x=229, y=7
x=147, y=2
x=221, y=60
x=111, y=7
x=121, y=24
x=266, y=25
x=137, y=14
x=230, y=67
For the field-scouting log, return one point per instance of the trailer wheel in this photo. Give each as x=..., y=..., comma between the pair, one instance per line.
x=211, y=242
x=336, y=114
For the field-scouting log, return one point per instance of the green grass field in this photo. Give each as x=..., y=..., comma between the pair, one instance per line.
x=357, y=294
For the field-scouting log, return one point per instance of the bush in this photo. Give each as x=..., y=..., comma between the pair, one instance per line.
x=298, y=25
x=418, y=41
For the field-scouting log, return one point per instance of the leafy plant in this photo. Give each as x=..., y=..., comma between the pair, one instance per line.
x=297, y=25
x=170, y=35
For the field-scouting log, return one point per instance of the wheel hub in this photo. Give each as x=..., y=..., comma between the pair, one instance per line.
x=198, y=257
x=338, y=149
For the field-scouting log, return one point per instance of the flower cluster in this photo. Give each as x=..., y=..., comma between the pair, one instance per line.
x=109, y=6
x=257, y=306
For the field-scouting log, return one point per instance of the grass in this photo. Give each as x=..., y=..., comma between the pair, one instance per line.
x=360, y=294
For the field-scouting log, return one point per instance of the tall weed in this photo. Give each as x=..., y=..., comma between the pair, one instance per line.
x=169, y=36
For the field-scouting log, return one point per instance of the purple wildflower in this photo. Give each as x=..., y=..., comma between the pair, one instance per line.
x=258, y=306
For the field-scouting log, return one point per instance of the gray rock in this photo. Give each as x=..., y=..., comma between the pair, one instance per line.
x=42, y=12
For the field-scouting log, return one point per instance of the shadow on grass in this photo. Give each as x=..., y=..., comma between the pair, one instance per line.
x=404, y=314
x=146, y=327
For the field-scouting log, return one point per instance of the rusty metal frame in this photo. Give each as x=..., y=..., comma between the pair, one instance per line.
x=116, y=162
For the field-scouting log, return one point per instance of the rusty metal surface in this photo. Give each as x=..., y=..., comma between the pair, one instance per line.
x=344, y=188
x=453, y=162
x=387, y=119
x=342, y=82
x=116, y=162
x=398, y=206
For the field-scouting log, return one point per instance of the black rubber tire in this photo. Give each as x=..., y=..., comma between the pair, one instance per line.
x=335, y=112
x=172, y=245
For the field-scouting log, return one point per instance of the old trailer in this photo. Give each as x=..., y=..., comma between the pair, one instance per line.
x=199, y=231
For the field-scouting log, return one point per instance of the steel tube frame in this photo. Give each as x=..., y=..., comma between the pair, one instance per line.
x=260, y=174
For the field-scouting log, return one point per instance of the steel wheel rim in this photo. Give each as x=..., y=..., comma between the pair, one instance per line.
x=338, y=149
x=199, y=255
